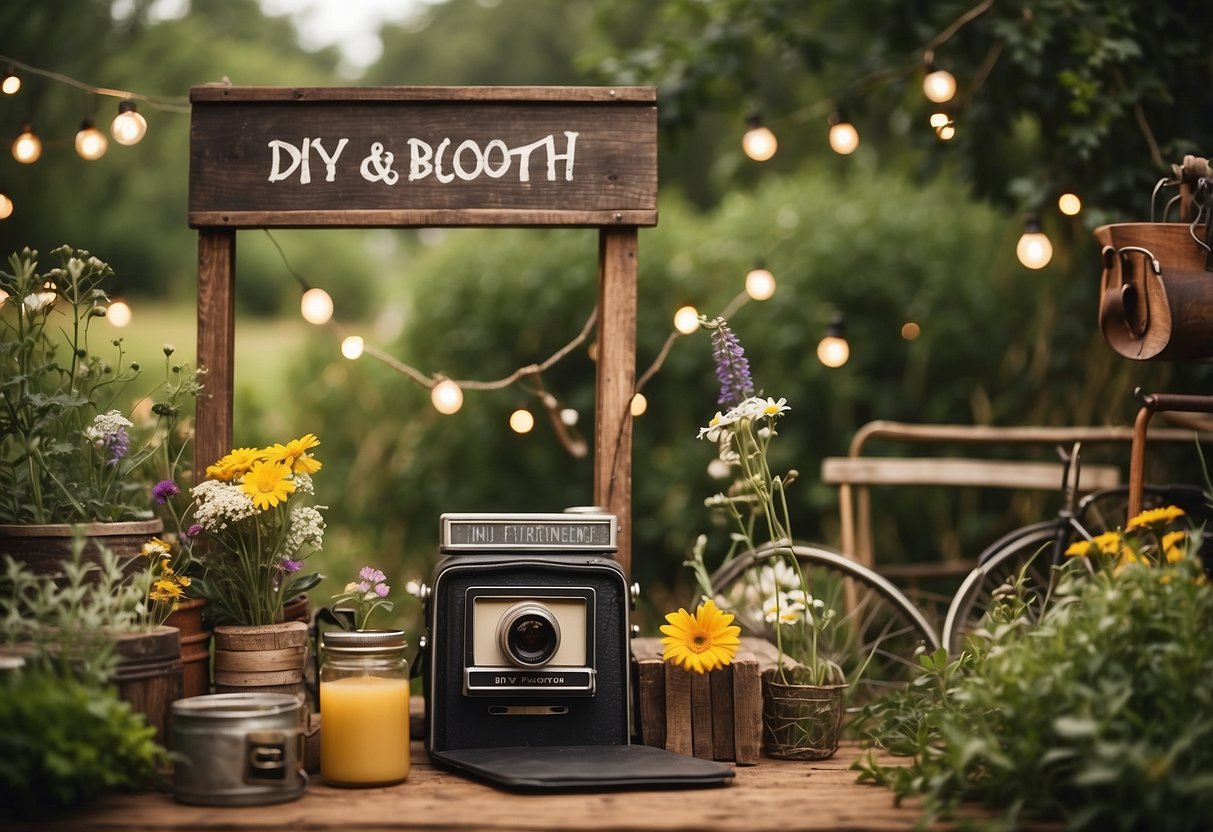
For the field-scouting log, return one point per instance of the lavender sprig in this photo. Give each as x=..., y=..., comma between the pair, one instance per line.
x=732, y=367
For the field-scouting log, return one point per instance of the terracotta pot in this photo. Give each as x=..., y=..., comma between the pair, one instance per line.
x=801, y=722
x=195, y=646
x=44, y=547
x=267, y=658
x=149, y=675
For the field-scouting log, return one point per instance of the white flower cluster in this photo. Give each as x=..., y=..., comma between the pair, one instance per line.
x=303, y=483
x=218, y=504
x=306, y=526
x=754, y=407
x=107, y=424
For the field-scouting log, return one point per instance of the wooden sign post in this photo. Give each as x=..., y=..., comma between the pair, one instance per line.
x=273, y=157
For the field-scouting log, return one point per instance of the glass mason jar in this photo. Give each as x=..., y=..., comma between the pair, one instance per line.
x=364, y=708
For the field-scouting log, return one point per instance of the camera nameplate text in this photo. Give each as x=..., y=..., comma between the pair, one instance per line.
x=488, y=533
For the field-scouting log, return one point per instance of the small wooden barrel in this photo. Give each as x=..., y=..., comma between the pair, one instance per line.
x=149, y=675
x=269, y=658
x=195, y=646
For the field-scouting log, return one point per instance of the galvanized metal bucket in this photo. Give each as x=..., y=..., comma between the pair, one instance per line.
x=239, y=749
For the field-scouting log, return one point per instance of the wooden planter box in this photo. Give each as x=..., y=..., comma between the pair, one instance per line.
x=716, y=715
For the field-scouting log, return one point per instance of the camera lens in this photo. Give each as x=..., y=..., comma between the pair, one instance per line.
x=528, y=634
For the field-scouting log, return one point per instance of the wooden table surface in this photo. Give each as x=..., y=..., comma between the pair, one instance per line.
x=772, y=795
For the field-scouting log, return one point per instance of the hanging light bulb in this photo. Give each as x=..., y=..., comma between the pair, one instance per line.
x=639, y=404
x=12, y=81
x=910, y=330
x=758, y=142
x=6, y=206
x=522, y=421
x=833, y=350
x=27, y=147
x=1033, y=249
x=759, y=283
x=91, y=143
x=129, y=125
x=446, y=397
x=316, y=306
x=944, y=126
x=569, y=416
x=1069, y=204
x=352, y=347
x=686, y=320
x=939, y=85
x=118, y=314
x=844, y=138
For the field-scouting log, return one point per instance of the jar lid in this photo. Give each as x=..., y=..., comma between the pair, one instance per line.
x=363, y=641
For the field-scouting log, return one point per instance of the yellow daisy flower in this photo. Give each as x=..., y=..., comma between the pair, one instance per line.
x=1153, y=517
x=267, y=484
x=1173, y=546
x=235, y=465
x=294, y=454
x=703, y=641
x=155, y=547
x=1108, y=543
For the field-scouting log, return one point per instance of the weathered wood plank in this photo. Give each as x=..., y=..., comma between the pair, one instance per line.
x=701, y=715
x=679, y=729
x=960, y=472
x=216, y=345
x=226, y=92
x=721, y=683
x=419, y=218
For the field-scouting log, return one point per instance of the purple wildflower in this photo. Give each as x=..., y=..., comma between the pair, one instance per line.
x=163, y=490
x=193, y=531
x=370, y=573
x=732, y=367
x=382, y=590
x=117, y=443
x=364, y=586
x=288, y=565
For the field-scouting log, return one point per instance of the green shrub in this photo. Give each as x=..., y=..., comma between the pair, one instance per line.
x=1101, y=715
x=64, y=742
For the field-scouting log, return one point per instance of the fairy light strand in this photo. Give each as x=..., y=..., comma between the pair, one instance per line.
x=171, y=104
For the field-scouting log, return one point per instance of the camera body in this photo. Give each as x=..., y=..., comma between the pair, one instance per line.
x=527, y=639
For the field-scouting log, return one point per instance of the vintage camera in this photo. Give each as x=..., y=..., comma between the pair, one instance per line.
x=527, y=639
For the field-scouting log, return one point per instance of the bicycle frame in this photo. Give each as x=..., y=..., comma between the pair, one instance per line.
x=1155, y=403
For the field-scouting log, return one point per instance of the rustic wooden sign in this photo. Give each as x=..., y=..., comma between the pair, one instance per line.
x=422, y=156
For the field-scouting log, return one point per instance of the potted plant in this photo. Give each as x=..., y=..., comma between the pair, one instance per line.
x=70, y=458
x=250, y=528
x=89, y=676
x=804, y=694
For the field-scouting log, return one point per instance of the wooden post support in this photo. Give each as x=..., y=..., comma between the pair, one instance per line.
x=616, y=381
x=216, y=345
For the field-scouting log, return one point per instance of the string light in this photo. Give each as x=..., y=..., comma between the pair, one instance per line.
x=910, y=331
x=939, y=85
x=119, y=314
x=686, y=320
x=352, y=347
x=316, y=306
x=1069, y=204
x=1033, y=249
x=129, y=126
x=758, y=142
x=945, y=127
x=6, y=206
x=639, y=404
x=569, y=417
x=759, y=283
x=11, y=84
x=27, y=147
x=844, y=138
x=833, y=350
x=522, y=420
x=91, y=143
x=447, y=397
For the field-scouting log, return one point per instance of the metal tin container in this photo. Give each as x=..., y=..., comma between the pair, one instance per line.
x=239, y=749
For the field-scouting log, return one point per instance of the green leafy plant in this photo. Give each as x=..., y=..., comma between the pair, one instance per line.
x=67, y=451
x=1100, y=714
x=64, y=741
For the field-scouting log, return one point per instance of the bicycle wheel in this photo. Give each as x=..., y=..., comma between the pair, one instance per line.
x=1027, y=547
x=1098, y=512
x=874, y=618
